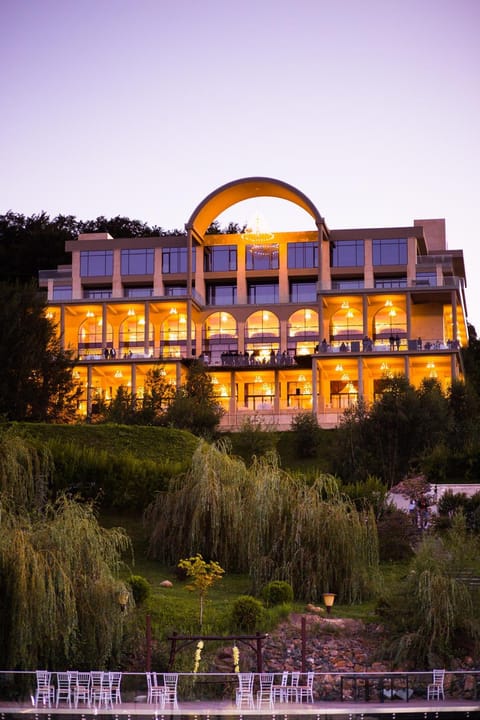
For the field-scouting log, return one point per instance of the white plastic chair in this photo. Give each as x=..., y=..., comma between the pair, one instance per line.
x=64, y=691
x=244, y=692
x=45, y=690
x=265, y=694
x=81, y=689
x=292, y=689
x=435, y=688
x=170, y=681
x=279, y=691
x=101, y=693
x=306, y=691
x=115, y=682
x=155, y=691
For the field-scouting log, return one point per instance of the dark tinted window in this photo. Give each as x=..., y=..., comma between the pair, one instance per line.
x=96, y=263
x=390, y=252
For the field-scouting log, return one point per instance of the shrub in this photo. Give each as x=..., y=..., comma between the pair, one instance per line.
x=277, y=592
x=396, y=536
x=307, y=434
x=247, y=613
x=141, y=588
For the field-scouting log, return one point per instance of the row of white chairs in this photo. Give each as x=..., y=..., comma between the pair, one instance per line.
x=289, y=689
x=162, y=692
x=95, y=688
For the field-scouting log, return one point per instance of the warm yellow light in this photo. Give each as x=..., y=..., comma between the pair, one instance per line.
x=339, y=367
x=182, y=319
x=329, y=599
x=388, y=303
x=90, y=314
x=345, y=305
x=308, y=315
x=131, y=312
x=392, y=313
x=223, y=391
x=258, y=379
x=301, y=378
x=350, y=314
x=118, y=374
x=173, y=311
x=141, y=321
x=266, y=316
x=345, y=376
x=214, y=380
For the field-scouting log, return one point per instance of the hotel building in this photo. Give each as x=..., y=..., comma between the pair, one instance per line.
x=290, y=322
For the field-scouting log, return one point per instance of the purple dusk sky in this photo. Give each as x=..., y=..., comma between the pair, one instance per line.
x=143, y=107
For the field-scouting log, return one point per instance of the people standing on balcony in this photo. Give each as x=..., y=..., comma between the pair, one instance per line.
x=397, y=342
x=392, y=342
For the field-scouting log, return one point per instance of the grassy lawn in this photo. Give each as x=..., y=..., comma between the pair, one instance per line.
x=177, y=608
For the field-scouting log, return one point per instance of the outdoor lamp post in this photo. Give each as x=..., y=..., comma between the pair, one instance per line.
x=329, y=599
x=122, y=599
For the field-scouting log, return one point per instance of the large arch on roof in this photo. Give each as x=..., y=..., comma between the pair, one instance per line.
x=245, y=189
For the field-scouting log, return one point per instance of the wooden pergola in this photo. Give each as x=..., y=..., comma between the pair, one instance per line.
x=254, y=642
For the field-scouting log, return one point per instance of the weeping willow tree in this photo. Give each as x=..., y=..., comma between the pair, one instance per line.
x=58, y=572
x=309, y=535
x=269, y=523
x=435, y=610
x=25, y=470
x=202, y=511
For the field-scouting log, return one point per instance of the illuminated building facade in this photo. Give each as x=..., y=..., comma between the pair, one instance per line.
x=290, y=322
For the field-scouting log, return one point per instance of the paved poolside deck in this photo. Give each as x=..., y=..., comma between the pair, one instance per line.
x=213, y=708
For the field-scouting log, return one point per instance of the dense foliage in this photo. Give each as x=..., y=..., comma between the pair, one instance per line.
x=58, y=571
x=404, y=428
x=434, y=611
x=36, y=381
x=269, y=523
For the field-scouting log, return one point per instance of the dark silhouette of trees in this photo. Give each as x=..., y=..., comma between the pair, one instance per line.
x=406, y=429
x=36, y=381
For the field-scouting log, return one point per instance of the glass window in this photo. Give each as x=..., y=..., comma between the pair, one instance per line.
x=390, y=252
x=97, y=293
x=302, y=255
x=137, y=262
x=426, y=279
x=221, y=294
x=348, y=284
x=347, y=253
x=96, y=263
x=265, y=260
x=175, y=290
x=303, y=291
x=262, y=293
x=174, y=260
x=62, y=292
x=138, y=292
x=220, y=257
x=395, y=282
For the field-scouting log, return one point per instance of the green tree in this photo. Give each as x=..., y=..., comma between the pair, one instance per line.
x=36, y=381
x=433, y=611
x=159, y=392
x=204, y=575
x=264, y=521
x=59, y=571
x=195, y=406
x=307, y=434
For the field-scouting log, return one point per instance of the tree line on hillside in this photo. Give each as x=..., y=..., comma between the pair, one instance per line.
x=406, y=429
x=29, y=243
x=62, y=602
